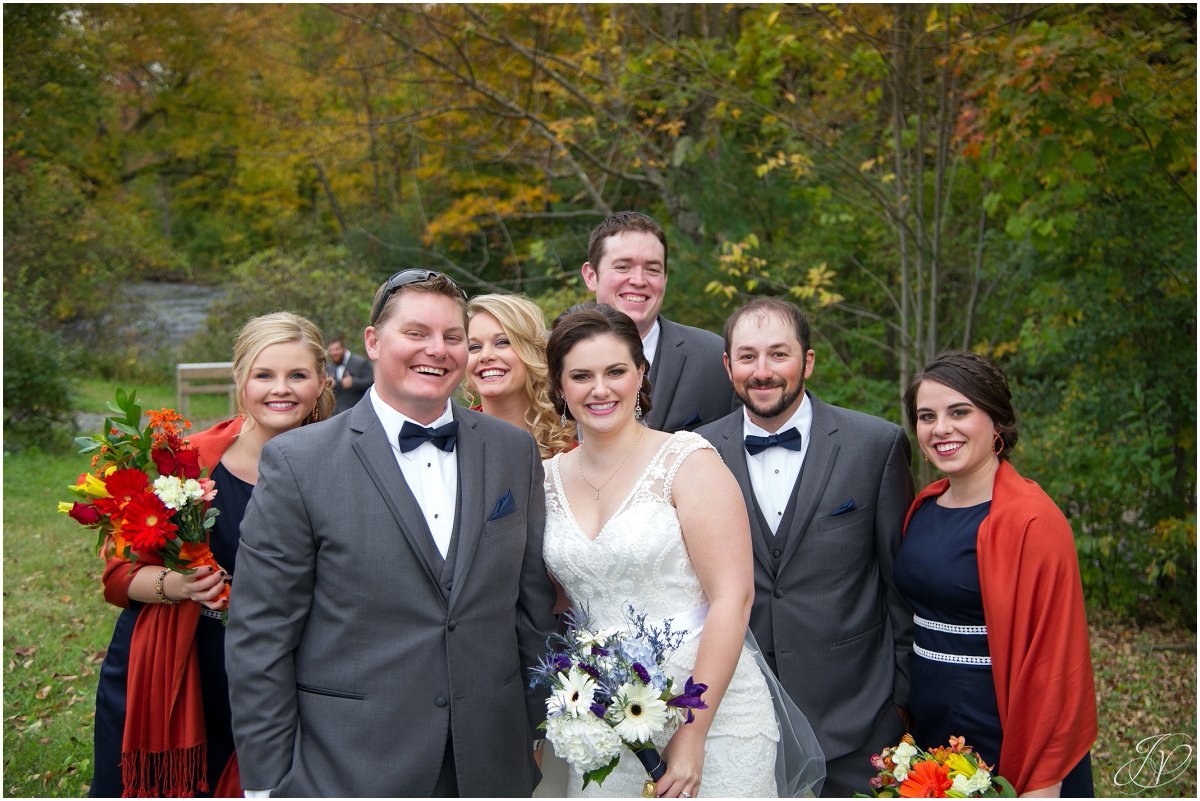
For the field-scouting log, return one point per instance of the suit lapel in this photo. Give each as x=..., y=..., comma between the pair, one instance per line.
x=375, y=451
x=468, y=528
x=733, y=450
x=822, y=453
x=667, y=368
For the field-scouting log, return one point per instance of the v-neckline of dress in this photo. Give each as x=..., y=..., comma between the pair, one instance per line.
x=570, y=513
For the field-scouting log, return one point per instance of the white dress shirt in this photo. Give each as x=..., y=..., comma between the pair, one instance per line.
x=431, y=473
x=650, y=342
x=774, y=471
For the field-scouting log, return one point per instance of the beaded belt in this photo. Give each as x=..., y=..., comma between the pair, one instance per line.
x=949, y=628
x=216, y=613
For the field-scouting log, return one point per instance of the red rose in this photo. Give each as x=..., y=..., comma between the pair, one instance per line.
x=164, y=460
x=189, y=462
x=85, y=514
x=184, y=463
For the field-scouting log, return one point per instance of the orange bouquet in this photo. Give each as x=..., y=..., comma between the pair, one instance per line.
x=953, y=771
x=146, y=494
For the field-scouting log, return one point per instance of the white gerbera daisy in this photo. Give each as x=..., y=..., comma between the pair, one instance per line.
x=638, y=713
x=575, y=694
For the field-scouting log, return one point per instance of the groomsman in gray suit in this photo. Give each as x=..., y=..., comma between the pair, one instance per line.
x=827, y=490
x=627, y=269
x=390, y=592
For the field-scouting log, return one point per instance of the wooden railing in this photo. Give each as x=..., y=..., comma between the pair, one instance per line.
x=218, y=378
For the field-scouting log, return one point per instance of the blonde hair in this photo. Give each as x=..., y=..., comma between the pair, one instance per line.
x=260, y=333
x=525, y=326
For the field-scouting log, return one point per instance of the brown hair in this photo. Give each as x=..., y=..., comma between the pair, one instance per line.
x=434, y=283
x=259, y=333
x=785, y=310
x=525, y=326
x=978, y=379
x=619, y=223
x=587, y=321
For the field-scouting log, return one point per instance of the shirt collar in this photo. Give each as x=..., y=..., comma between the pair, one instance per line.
x=650, y=341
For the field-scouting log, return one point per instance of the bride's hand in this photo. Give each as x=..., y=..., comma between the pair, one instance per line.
x=684, y=756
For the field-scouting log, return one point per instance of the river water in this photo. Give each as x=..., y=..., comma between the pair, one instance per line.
x=175, y=311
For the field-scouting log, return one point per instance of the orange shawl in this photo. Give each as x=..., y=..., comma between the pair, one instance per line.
x=163, y=753
x=1037, y=631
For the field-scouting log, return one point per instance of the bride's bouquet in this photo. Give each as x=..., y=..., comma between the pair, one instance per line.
x=953, y=771
x=609, y=691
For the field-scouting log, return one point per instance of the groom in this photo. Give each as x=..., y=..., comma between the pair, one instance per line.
x=391, y=593
x=827, y=490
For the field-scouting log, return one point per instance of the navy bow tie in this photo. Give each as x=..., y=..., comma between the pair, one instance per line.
x=413, y=435
x=788, y=438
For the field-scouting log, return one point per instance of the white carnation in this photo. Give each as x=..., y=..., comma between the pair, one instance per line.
x=586, y=742
x=169, y=490
x=192, y=489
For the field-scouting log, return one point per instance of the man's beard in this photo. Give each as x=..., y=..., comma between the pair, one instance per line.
x=775, y=409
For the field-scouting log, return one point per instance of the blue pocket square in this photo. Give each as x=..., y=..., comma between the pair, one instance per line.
x=504, y=507
x=848, y=506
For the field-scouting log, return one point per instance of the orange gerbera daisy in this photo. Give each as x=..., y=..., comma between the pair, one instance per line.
x=927, y=779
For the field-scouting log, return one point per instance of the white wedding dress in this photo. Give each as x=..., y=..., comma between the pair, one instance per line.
x=639, y=558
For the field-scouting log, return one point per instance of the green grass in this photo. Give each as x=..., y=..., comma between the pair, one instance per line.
x=93, y=395
x=57, y=625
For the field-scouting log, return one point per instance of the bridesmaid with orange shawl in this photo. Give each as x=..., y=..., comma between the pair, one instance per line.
x=162, y=705
x=988, y=565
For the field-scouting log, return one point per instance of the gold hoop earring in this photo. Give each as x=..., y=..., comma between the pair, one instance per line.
x=998, y=440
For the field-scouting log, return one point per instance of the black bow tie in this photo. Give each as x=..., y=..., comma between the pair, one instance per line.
x=788, y=438
x=412, y=435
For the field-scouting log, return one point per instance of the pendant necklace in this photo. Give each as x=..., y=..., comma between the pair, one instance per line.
x=596, y=489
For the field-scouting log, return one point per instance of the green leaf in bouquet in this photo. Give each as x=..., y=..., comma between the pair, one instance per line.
x=1006, y=790
x=88, y=444
x=124, y=429
x=600, y=774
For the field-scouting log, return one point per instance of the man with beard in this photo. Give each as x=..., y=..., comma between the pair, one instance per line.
x=827, y=490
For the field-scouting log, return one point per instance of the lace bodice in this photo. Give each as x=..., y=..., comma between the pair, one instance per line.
x=638, y=557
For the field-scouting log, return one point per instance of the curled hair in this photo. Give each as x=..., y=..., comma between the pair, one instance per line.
x=785, y=310
x=980, y=381
x=525, y=328
x=587, y=321
x=620, y=223
x=260, y=333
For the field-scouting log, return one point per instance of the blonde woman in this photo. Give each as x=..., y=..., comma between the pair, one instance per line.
x=506, y=369
x=156, y=737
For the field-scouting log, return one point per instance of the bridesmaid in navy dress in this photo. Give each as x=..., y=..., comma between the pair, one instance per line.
x=279, y=372
x=988, y=565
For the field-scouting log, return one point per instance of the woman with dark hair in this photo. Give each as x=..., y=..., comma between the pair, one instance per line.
x=988, y=565
x=162, y=704
x=655, y=520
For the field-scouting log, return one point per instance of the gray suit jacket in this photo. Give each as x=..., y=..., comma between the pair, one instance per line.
x=352, y=657
x=826, y=612
x=688, y=383
x=362, y=376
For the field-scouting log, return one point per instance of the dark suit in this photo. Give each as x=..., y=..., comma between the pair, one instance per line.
x=355, y=652
x=688, y=383
x=826, y=612
x=362, y=376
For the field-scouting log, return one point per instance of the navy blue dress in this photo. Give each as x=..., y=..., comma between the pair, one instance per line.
x=233, y=495
x=952, y=692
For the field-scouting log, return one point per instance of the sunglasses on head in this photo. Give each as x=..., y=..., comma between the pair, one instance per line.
x=404, y=278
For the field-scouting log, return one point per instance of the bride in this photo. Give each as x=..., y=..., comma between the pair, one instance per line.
x=654, y=520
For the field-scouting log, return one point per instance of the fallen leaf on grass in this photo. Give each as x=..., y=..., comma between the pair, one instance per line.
x=43, y=693
x=98, y=657
x=25, y=650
